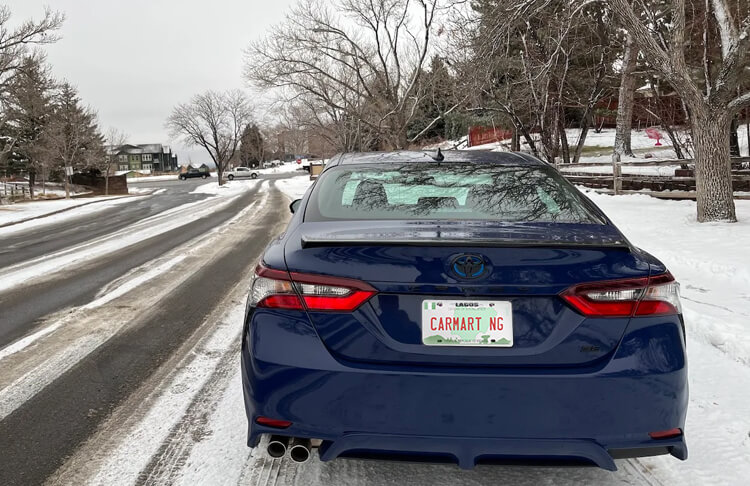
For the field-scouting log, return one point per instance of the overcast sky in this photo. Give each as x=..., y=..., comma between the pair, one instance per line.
x=133, y=60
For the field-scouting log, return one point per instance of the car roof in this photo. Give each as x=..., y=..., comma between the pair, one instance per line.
x=455, y=156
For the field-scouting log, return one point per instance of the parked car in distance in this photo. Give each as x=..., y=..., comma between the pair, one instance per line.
x=242, y=173
x=470, y=307
x=192, y=173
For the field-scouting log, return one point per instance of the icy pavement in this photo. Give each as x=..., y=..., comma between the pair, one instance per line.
x=12, y=213
x=44, y=266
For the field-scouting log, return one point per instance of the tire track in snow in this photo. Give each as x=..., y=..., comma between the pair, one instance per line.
x=194, y=425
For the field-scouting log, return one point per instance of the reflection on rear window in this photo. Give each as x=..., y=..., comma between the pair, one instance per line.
x=446, y=192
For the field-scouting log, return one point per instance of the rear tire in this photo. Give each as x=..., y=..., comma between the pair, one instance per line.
x=230, y=177
x=253, y=175
x=204, y=176
x=183, y=178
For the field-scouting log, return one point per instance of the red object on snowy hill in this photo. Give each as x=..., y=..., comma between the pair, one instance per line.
x=654, y=134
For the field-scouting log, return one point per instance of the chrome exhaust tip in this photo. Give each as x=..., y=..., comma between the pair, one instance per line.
x=299, y=450
x=277, y=446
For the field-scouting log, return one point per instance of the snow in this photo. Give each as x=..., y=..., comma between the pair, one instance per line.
x=229, y=188
x=137, y=180
x=284, y=168
x=294, y=187
x=27, y=341
x=71, y=208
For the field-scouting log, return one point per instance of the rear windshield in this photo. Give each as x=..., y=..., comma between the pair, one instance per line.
x=447, y=192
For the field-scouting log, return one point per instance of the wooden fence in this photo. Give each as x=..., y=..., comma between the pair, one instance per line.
x=679, y=187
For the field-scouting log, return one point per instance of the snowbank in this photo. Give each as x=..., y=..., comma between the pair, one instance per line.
x=229, y=188
x=294, y=187
x=135, y=180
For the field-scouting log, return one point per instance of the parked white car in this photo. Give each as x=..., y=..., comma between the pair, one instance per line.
x=242, y=173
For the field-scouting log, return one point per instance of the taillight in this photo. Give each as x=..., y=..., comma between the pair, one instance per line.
x=647, y=296
x=283, y=290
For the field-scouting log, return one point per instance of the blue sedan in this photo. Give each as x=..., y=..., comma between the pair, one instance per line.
x=463, y=307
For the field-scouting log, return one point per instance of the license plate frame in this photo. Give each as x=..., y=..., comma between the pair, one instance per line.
x=467, y=323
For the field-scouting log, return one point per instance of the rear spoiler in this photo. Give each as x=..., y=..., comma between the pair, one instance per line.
x=313, y=242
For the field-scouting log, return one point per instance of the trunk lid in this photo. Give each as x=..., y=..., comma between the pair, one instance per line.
x=409, y=262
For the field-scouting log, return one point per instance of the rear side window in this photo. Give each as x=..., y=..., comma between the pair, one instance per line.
x=446, y=192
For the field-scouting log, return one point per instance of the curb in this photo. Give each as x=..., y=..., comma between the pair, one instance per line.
x=12, y=223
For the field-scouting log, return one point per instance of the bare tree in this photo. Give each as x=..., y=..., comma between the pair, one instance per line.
x=712, y=100
x=114, y=139
x=535, y=61
x=214, y=121
x=352, y=67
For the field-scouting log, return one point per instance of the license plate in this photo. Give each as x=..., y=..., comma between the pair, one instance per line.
x=467, y=323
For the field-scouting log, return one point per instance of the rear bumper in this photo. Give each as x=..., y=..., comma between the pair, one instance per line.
x=468, y=415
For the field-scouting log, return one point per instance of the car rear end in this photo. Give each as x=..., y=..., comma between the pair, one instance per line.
x=467, y=312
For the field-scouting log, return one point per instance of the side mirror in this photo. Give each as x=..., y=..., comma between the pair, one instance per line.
x=295, y=205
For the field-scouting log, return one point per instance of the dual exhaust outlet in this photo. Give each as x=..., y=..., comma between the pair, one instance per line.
x=299, y=449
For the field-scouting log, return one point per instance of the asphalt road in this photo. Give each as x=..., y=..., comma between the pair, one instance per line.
x=19, y=247
x=22, y=308
x=37, y=437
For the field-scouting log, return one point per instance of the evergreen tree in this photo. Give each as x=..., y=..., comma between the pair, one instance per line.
x=252, y=146
x=72, y=140
x=28, y=109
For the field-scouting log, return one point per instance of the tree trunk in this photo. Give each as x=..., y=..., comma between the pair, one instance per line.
x=67, y=183
x=564, y=147
x=582, y=136
x=106, y=183
x=515, y=141
x=713, y=172
x=220, y=173
x=32, y=181
x=625, y=102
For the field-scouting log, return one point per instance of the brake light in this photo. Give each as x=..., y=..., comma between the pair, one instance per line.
x=283, y=290
x=665, y=434
x=275, y=423
x=647, y=296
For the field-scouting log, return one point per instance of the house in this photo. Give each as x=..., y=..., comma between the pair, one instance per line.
x=146, y=158
x=201, y=168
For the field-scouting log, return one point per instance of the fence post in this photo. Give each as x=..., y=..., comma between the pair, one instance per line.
x=617, y=175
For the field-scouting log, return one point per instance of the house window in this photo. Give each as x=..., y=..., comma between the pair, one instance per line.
x=147, y=158
x=146, y=166
x=123, y=158
x=124, y=167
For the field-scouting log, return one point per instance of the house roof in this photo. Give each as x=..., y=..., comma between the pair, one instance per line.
x=149, y=148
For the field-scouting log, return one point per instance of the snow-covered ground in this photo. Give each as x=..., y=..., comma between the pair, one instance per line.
x=172, y=177
x=294, y=187
x=598, y=151
x=229, y=188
